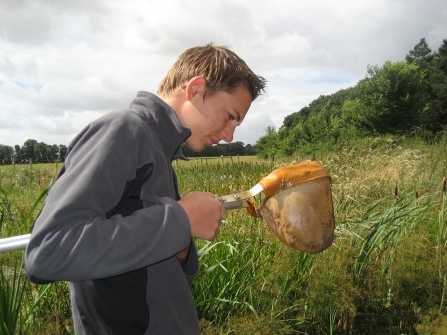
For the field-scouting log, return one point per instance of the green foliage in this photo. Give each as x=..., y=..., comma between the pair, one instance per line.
x=421, y=54
x=32, y=151
x=6, y=153
x=15, y=289
x=399, y=98
x=389, y=99
x=45, y=153
x=12, y=289
x=386, y=228
x=435, y=114
x=268, y=145
x=27, y=150
x=229, y=289
x=330, y=103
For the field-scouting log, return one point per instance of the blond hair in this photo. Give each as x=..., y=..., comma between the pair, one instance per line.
x=222, y=68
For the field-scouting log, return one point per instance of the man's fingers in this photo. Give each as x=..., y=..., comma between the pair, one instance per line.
x=223, y=213
x=205, y=214
x=209, y=194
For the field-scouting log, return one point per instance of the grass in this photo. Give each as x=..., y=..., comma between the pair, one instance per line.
x=384, y=274
x=17, y=303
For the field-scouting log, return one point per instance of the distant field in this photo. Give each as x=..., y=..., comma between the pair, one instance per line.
x=192, y=161
x=38, y=166
x=215, y=160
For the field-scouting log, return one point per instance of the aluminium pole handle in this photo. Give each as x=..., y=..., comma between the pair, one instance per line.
x=14, y=243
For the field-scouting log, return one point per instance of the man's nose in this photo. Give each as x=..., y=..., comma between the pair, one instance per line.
x=228, y=132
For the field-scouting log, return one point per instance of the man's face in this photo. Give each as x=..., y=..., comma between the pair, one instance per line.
x=215, y=118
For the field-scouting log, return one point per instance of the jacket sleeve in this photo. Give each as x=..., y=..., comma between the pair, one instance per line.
x=191, y=268
x=73, y=241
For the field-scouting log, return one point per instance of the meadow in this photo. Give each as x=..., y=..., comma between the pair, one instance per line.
x=385, y=273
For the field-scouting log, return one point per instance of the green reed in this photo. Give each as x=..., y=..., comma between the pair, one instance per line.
x=16, y=312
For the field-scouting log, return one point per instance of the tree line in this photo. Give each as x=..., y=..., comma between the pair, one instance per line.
x=32, y=151
x=40, y=152
x=403, y=98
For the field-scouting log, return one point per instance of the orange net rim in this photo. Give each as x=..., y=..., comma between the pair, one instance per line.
x=290, y=176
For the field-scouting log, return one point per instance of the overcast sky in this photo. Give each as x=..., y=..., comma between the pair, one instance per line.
x=64, y=63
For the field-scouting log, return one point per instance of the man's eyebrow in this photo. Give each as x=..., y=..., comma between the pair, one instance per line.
x=238, y=115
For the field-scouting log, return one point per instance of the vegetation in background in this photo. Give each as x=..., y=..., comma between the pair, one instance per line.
x=32, y=151
x=17, y=301
x=384, y=274
x=404, y=98
x=35, y=152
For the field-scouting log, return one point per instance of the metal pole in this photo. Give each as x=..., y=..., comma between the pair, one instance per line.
x=14, y=243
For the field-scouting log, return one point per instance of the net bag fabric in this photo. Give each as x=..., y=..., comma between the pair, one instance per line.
x=298, y=206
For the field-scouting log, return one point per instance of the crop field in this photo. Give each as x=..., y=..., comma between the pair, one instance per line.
x=385, y=273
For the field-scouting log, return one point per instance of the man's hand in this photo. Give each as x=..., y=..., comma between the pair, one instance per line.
x=183, y=255
x=205, y=214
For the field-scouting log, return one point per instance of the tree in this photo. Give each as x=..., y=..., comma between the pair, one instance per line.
x=441, y=57
x=435, y=115
x=391, y=98
x=421, y=54
x=18, y=153
x=323, y=103
x=267, y=145
x=6, y=153
x=249, y=150
x=45, y=153
x=236, y=148
x=397, y=98
x=27, y=150
x=62, y=152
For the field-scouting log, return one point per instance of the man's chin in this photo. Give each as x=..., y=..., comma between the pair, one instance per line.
x=196, y=148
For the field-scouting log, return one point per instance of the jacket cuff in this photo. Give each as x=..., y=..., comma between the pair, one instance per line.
x=191, y=267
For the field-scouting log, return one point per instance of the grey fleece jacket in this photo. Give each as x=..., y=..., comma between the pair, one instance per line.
x=111, y=226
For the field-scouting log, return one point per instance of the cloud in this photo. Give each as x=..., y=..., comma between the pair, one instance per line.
x=255, y=122
x=55, y=129
x=64, y=62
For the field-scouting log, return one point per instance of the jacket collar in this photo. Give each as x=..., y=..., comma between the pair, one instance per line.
x=163, y=120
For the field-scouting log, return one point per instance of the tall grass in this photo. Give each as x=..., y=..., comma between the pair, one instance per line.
x=12, y=282
x=12, y=290
x=384, y=274
x=386, y=201
x=441, y=242
x=21, y=302
x=14, y=285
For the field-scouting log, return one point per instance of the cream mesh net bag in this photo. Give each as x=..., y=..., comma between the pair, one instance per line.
x=297, y=206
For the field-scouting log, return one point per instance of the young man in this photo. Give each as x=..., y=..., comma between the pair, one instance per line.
x=114, y=225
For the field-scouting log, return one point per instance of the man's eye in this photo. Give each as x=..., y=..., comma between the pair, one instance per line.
x=231, y=116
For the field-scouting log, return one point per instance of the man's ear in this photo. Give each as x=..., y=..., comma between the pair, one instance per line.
x=196, y=85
